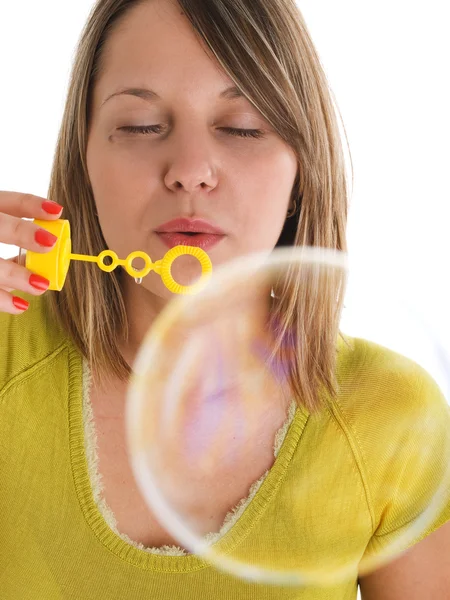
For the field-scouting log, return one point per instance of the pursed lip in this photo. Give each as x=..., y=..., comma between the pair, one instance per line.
x=184, y=225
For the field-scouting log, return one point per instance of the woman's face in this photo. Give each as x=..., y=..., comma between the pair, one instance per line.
x=189, y=164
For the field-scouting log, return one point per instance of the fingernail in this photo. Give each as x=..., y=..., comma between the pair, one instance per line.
x=20, y=303
x=52, y=208
x=38, y=282
x=45, y=238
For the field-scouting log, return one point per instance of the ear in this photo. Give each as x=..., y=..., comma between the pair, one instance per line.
x=289, y=231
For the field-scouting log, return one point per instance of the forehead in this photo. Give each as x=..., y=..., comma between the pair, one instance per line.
x=155, y=43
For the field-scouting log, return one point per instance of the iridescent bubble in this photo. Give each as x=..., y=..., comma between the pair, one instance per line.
x=237, y=466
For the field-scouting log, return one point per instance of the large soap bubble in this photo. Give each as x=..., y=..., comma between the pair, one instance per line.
x=236, y=468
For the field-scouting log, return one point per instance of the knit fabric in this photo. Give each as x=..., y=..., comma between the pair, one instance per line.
x=346, y=484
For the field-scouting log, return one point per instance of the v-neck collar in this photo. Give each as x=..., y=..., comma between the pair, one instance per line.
x=132, y=554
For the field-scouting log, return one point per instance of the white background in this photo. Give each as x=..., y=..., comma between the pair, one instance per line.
x=387, y=63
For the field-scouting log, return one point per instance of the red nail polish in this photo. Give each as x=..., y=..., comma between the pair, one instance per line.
x=52, y=208
x=45, y=238
x=38, y=282
x=20, y=303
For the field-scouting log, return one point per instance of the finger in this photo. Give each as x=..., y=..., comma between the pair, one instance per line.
x=12, y=304
x=17, y=204
x=16, y=277
x=25, y=234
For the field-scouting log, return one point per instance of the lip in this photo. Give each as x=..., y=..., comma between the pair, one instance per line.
x=184, y=225
x=205, y=241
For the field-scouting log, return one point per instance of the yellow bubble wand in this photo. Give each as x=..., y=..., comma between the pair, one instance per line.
x=54, y=265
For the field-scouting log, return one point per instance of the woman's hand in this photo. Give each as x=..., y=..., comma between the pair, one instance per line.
x=25, y=234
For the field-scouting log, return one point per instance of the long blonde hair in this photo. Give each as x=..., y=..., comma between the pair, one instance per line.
x=265, y=48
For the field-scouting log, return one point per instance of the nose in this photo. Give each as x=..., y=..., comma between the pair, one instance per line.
x=191, y=163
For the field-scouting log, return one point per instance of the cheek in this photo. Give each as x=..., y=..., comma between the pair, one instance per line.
x=117, y=191
x=279, y=171
x=272, y=169
x=267, y=197
x=119, y=178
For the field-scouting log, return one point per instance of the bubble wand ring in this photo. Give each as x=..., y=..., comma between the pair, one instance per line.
x=54, y=265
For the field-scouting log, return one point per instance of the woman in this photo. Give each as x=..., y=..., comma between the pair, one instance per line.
x=217, y=111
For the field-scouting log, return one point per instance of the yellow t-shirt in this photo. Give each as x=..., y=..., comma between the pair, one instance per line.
x=389, y=432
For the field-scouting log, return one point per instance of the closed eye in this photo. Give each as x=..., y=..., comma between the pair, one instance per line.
x=148, y=129
x=253, y=133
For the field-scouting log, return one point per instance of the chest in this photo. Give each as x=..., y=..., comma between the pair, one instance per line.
x=204, y=496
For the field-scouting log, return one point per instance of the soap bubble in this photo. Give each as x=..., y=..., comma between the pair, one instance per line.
x=241, y=473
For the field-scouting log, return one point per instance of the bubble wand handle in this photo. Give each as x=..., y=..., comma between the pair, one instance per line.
x=54, y=265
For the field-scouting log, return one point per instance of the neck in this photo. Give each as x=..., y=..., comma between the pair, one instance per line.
x=142, y=307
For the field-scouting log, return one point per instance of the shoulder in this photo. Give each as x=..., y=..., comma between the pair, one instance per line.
x=383, y=391
x=397, y=421
x=27, y=339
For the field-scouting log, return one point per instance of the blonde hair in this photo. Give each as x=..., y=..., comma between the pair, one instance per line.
x=265, y=48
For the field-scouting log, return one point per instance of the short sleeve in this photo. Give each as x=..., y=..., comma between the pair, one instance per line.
x=411, y=494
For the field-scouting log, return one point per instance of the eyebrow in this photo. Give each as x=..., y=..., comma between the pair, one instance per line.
x=230, y=93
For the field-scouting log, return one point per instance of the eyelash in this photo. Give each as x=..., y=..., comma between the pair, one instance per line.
x=244, y=133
